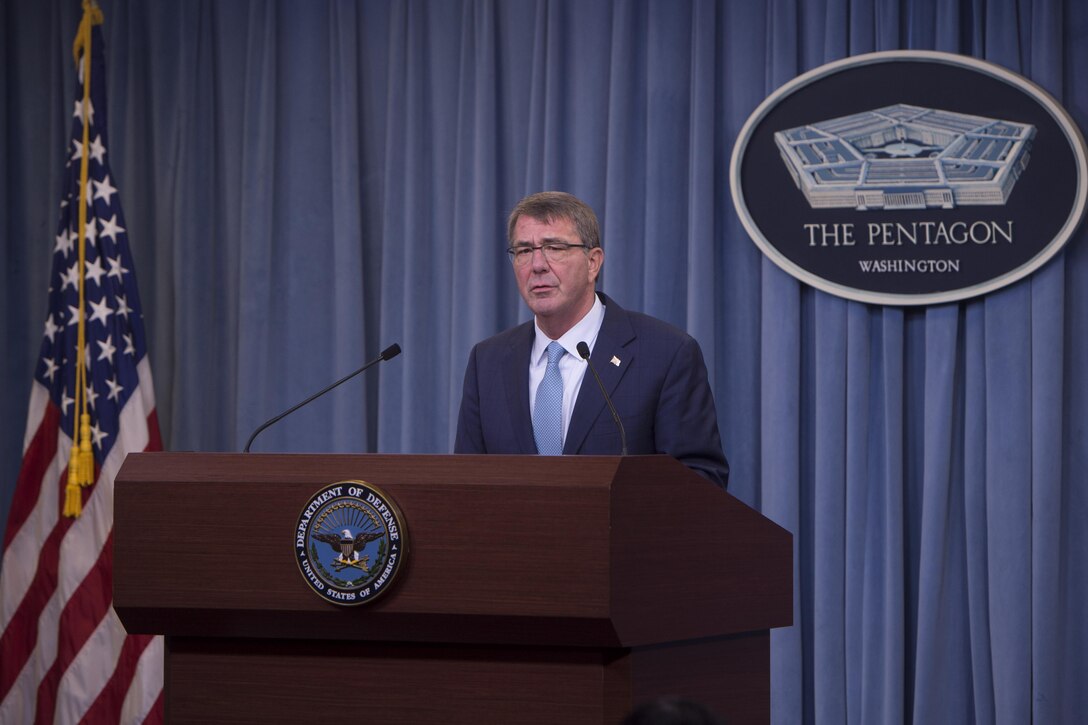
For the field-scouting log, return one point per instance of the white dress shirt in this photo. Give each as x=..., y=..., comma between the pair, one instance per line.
x=571, y=366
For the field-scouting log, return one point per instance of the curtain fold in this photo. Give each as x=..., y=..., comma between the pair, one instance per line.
x=307, y=184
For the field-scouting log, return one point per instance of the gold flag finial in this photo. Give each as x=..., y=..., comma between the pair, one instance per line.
x=92, y=15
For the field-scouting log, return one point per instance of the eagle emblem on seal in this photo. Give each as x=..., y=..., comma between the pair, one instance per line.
x=348, y=547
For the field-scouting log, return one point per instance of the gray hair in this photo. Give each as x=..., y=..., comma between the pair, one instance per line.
x=550, y=206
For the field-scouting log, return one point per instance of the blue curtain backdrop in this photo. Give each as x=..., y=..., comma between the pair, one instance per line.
x=306, y=183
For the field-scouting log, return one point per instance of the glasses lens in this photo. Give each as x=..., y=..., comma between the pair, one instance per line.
x=556, y=252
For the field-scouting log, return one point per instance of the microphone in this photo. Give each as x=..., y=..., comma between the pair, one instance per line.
x=583, y=350
x=387, y=354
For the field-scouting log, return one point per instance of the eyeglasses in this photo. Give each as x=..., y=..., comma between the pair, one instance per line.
x=552, y=251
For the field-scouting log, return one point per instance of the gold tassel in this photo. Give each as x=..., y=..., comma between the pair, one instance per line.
x=73, y=500
x=86, y=455
x=73, y=466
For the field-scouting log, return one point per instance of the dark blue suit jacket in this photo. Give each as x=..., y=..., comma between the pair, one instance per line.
x=659, y=388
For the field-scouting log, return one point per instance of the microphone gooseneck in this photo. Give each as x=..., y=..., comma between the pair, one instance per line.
x=583, y=350
x=387, y=354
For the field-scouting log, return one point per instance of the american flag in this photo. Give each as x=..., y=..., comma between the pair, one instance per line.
x=64, y=655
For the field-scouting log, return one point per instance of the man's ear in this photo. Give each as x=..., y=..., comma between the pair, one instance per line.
x=596, y=261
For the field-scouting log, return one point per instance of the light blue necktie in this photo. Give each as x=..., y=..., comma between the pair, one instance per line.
x=548, y=410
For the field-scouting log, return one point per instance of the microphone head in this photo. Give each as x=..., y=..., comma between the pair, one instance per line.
x=390, y=352
x=583, y=350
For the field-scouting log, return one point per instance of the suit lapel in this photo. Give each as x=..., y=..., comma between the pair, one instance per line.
x=614, y=345
x=515, y=372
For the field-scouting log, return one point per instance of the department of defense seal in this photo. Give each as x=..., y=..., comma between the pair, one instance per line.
x=350, y=542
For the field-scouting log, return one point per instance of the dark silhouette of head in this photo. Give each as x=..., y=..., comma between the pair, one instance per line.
x=672, y=711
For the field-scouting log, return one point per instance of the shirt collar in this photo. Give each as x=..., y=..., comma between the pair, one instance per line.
x=585, y=330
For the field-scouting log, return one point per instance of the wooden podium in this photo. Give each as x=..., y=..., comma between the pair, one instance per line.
x=535, y=590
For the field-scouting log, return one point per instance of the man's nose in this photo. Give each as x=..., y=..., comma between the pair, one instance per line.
x=540, y=262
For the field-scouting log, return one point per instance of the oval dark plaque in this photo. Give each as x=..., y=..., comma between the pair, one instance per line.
x=909, y=177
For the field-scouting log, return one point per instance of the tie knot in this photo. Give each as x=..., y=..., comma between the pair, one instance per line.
x=555, y=352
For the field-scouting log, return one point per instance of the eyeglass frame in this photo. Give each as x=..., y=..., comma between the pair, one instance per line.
x=514, y=249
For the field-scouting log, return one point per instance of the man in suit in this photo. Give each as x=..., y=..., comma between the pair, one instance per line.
x=524, y=389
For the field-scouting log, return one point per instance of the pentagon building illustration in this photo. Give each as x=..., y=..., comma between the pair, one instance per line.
x=906, y=157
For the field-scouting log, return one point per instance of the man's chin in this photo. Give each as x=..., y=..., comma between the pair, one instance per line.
x=543, y=302
x=542, y=311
